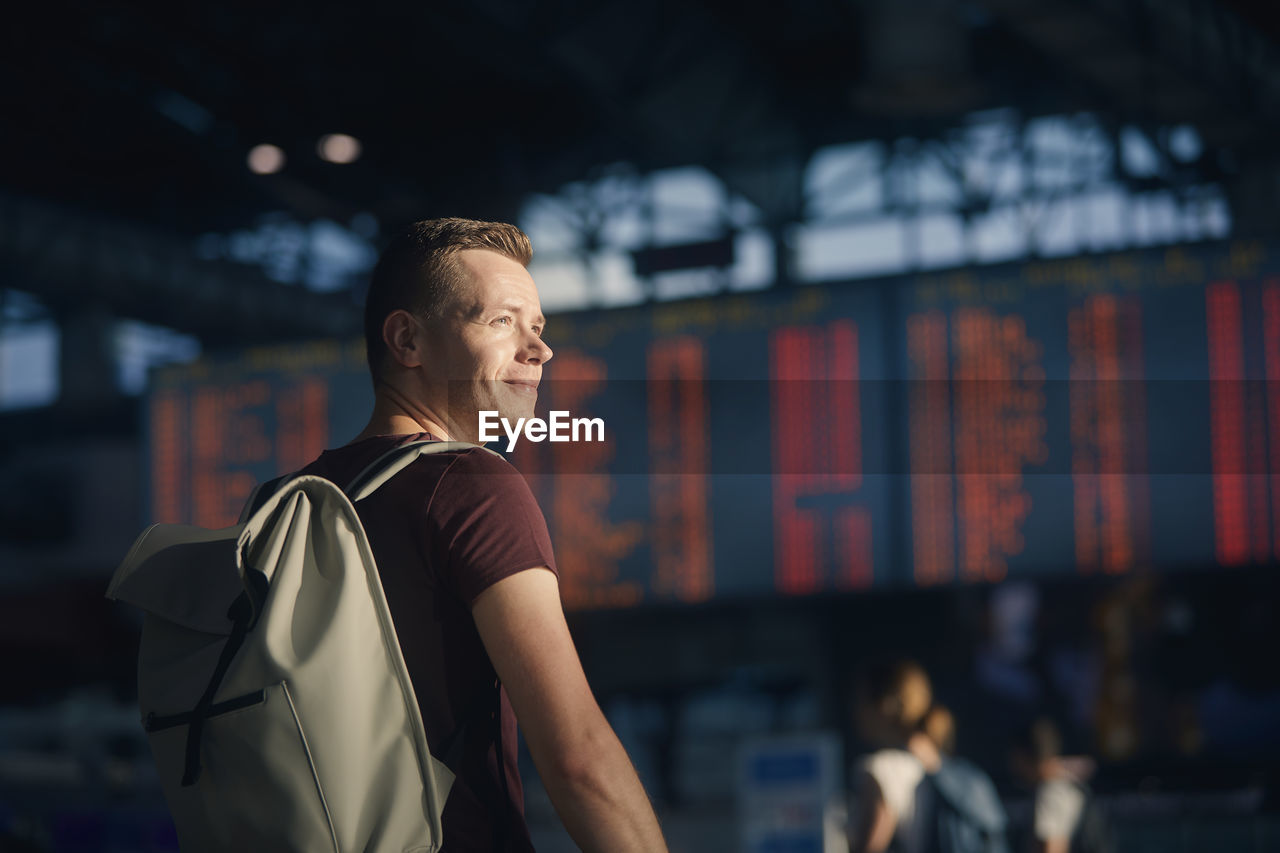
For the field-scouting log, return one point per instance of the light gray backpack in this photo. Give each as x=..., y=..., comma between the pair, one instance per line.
x=271, y=683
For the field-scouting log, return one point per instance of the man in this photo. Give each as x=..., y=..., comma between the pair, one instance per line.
x=453, y=327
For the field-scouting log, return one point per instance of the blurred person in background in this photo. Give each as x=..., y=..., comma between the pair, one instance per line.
x=1065, y=817
x=940, y=726
x=911, y=794
x=958, y=803
x=893, y=698
x=453, y=326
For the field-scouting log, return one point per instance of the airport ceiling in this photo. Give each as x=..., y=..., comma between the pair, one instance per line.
x=145, y=113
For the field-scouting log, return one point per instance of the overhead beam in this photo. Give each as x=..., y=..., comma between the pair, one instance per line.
x=1193, y=61
x=69, y=259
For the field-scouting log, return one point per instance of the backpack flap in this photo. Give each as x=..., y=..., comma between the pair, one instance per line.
x=183, y=574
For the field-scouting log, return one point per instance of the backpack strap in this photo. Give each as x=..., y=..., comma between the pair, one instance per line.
x=374, y=476
x=241, y=614
x=386, y=466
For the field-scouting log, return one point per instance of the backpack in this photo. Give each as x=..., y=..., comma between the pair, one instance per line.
x=957, y=811
x=272, y=687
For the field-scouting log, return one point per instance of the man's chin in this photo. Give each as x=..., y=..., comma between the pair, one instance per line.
x=516, y=410
x=512, y=411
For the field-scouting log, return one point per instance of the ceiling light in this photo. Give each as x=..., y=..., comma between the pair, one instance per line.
x=265, y=159
x=339, y=148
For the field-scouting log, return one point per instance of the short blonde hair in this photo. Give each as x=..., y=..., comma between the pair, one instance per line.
x=417, y=272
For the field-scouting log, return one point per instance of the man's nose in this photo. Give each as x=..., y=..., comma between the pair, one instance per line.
x=537, y=351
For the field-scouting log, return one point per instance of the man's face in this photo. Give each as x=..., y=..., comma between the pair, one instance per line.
x=488, y=343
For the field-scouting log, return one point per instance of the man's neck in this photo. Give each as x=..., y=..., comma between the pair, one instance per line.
x=392, y=416
x=399, y=425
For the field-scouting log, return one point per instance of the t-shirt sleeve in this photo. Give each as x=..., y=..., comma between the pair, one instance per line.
x=483, y=524
x=1059, y=805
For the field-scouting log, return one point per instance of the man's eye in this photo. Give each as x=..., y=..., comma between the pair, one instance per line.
x=506, y=320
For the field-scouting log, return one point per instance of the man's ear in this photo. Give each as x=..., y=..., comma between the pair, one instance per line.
x=400, y=334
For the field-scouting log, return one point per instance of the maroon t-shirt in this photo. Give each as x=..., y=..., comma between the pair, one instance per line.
x=442, y=531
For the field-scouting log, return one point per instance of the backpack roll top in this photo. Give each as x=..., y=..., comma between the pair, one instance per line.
x=271, y=683
x=154, y=576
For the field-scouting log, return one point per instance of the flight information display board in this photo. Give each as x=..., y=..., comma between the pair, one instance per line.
x=1097, y=415
x=1102, y=414
x=737, y=432
x=217, y=427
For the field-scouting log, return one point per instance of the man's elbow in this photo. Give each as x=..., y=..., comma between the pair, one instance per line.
x=585, y=762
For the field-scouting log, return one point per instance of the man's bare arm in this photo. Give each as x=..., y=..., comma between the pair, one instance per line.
x=586, y=771
x=876, y=824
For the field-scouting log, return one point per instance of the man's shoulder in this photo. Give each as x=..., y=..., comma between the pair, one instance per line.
x=478, y=460
x=475, y=474
x=460, y=478
x=352, y=458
